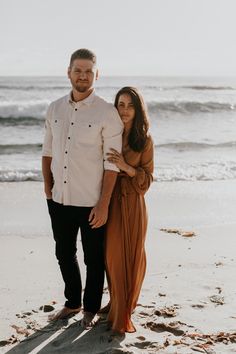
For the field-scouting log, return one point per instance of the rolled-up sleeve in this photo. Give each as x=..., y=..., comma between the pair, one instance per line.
x=47, y=144
x=143, y=178
x=112, y=137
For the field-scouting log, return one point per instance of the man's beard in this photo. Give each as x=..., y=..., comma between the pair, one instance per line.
x=81, y=88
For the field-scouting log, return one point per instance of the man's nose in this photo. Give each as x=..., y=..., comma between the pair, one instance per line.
x=83, y=75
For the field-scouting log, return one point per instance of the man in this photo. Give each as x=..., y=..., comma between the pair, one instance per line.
x=80, y=129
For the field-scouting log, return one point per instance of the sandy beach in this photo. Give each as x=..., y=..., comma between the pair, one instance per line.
x=188, y=300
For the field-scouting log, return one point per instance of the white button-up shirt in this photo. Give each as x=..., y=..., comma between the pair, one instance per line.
x=78, y=135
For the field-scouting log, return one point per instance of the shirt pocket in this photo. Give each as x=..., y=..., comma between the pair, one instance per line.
x=88, y=133
x=57, y=128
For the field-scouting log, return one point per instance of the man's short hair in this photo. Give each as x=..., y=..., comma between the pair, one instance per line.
x=83, y=53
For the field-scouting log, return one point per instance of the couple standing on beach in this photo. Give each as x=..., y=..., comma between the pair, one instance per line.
x=97, y=165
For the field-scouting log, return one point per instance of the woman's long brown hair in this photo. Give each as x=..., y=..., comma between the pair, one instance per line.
x=139, y=130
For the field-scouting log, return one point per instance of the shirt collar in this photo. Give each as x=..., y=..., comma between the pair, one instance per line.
x=87, y=101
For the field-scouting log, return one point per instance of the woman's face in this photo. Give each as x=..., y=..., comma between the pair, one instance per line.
x=126, y=109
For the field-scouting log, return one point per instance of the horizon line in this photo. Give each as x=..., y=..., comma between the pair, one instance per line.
x=156, y=75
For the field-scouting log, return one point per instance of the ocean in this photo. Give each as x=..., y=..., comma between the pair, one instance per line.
x=192, y=122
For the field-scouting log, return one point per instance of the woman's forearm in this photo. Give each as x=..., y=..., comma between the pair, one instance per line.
x=130, y=170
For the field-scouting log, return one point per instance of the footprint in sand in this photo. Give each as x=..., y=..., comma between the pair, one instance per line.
x=118, y=351
x=146, y=345
x=217, y=299
x=161, y=294
x=172, y=327
x=148, y=310
x=219, y=289
x=12, y=340
x=144, y=314
x=47, y=308
x=217, y=264
x=170, y=311
x=141, y=337
x=145, y=306
x=179, y=232
x=198, y=306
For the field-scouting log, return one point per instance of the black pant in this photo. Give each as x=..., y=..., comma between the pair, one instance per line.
x=66, y=221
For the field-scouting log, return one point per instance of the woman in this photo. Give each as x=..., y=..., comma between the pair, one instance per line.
x=127, y=222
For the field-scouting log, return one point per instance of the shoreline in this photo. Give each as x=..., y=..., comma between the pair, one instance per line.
x=189, y=278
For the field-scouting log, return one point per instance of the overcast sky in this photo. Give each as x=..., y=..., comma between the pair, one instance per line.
x=130, y=37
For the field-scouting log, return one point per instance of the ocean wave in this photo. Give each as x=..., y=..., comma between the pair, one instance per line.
x=189, y=107
x=188, y=145
x=57, y=87
x=194, y=87
x=25, y=109
x=19, y=148
x=63, y=86
x=9, y=149
x=27, y=113
x=20, y=176
x=202, y=87
x=50, y=87
x=33, y=88
x=26, y=121
x=211, y=171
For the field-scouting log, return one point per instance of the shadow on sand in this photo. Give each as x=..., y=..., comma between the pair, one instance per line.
x=59, y=337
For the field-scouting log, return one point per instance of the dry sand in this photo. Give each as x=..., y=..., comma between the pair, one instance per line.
x=188, y=301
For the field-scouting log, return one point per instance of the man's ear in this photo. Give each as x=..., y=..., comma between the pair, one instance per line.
x=68, y=72
x=96, y=75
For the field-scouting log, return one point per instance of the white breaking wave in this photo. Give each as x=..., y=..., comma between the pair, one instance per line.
x=183, y=172
x=38, y=108
x=210, y=171
x=20, y=176
x=17, y=109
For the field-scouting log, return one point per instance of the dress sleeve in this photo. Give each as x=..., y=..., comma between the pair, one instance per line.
x=143, y=178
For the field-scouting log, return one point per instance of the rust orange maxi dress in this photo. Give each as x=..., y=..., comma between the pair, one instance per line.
x=125, y=237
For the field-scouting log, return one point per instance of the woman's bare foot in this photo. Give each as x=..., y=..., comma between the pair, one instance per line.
x=105, y=309
x=63, y=313
x=89, y=320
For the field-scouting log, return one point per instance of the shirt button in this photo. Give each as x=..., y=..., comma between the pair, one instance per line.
x=69, y=137
x=65, y=152
x=65, y=167
x=64, y=181
x=75, y=109
x=72, y=123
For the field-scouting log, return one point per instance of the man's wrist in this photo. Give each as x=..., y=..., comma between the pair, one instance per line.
x=48, y=189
